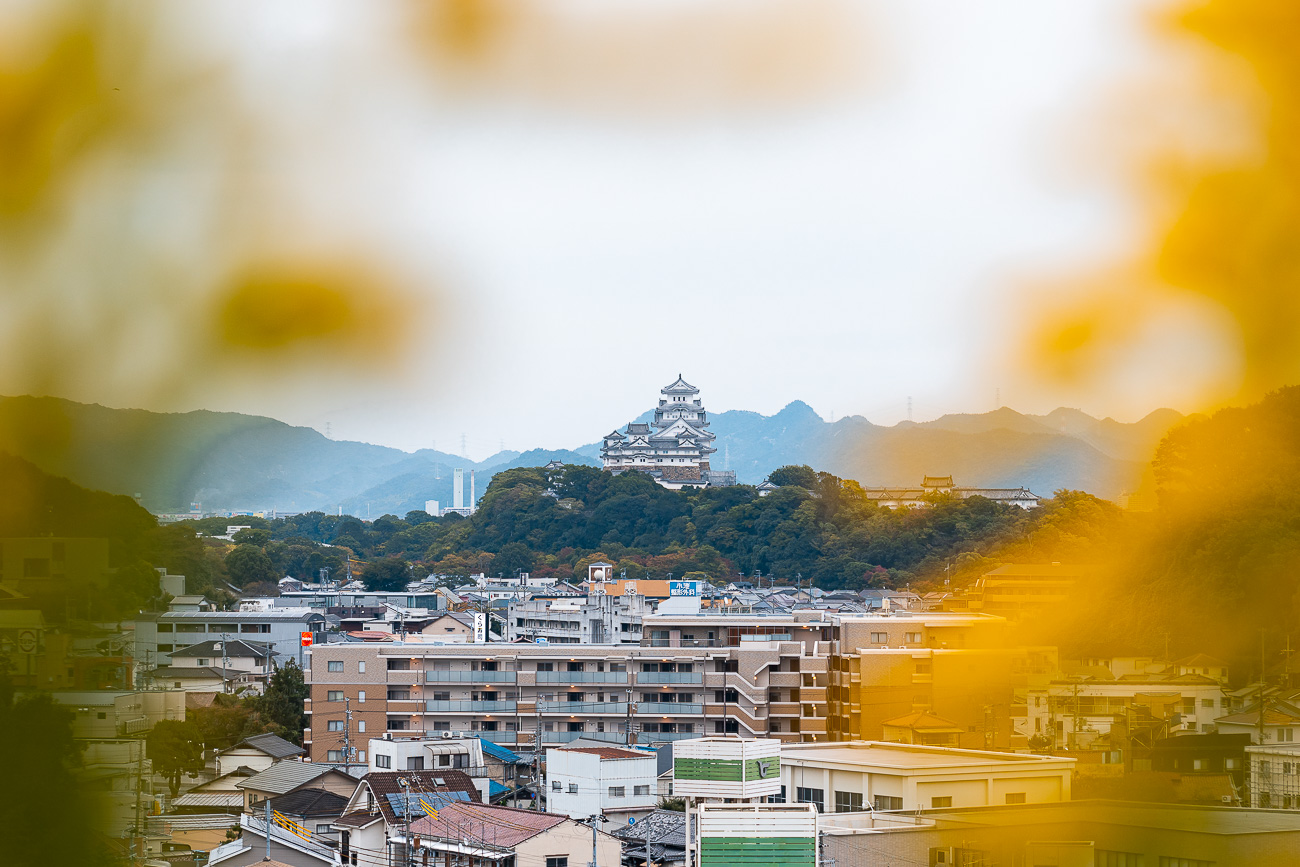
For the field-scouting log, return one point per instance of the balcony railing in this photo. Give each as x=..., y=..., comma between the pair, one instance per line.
x=667, y=708
x=436, y=706
x=582, y=677
x=576, y=707
x=670, y=677
x=469, y=676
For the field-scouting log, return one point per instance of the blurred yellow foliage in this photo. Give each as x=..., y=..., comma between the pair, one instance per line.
x=273, y=308
x=1225, y=226
x=644, y=59
x=55, y=106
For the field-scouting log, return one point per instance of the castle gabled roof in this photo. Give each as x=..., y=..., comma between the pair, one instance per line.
x=634, y=427
x=681, y=386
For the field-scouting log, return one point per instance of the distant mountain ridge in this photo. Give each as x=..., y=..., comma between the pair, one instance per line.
x=228, y=460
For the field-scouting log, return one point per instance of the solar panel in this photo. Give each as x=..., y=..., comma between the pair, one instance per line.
x=402, y=802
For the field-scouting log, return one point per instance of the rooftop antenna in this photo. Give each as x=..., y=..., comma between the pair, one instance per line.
x=464, y=453
x=327, y=430
x=997, y=400
x=909, y=407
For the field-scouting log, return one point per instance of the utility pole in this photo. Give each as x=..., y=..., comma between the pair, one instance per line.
x=267, y=803
x=627, y=727
x=347, y=734
x=1263, y=665
x=406, y=843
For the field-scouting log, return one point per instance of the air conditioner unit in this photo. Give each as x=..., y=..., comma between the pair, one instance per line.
x=445, y=734
x=458, y=734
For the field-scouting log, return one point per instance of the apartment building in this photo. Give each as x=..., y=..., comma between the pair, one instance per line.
x=592, y=619
x=158, y=635
x=956, y=666
x=699, y=674
x=1072, y=712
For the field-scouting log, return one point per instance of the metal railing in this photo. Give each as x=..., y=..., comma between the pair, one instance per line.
x=670, y=707
x=670, y=677
x=576, y=707
x=437, y=705
x=470, y=676
x=582, y=677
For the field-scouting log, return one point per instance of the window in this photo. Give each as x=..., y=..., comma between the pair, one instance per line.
x=334, y=665
x=886, y=802
x=164, y=648
x=912, y=637
x=399, y=665
x=361, y=666
x=415, y=763
x=101, y=715
x=547, y=666
x=361, y=725
x=334, y=695
x=1207, y=702
x=573, y=788
x=942, y=801
x=1166, y=861
x=848, y=802
x=617, y=791
x=880, y=638
x=557, y=861
x=361, y=697
x=1015, y=797
x=811, y=796
x=324, y=829
x=334, y=756
x=334, y=725
x=202, y=661
x=164, y=627
x=399, y=694
x=1285, y=736
x=398, y=725
x=1106, y=858
x=640, y=790
x=556, y=786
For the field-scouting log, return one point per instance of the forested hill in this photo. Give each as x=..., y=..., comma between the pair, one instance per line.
x=234, y=461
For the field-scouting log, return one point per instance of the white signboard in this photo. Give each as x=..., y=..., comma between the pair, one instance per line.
x=480, y=627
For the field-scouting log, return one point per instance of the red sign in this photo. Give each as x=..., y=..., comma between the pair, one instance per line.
x=306, y=639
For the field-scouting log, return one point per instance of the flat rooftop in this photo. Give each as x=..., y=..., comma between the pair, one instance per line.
x=1173, y=817
x=905, y=756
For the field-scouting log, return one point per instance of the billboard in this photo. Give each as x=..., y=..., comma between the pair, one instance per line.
x=480, y=627
x=683, y=588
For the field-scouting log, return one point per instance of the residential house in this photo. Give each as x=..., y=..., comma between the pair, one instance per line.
x=376, y=813
x=504, y=836
x=922, y=728
x=1279, y=723
x=258, y=753
x=285, y=777
x=313, y=809
x=586, y=781
x=657, y=838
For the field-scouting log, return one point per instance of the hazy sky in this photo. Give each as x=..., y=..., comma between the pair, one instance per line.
x=865, y=242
